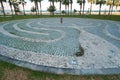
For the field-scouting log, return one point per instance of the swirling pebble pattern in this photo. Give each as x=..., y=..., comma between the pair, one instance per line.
x=47, y=42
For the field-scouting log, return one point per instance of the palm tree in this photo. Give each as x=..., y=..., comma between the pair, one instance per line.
x=53, y=3
x=36, y=5
x=83, y=6
x=16, y=8
x=10, y=4
x=1, y=2
x=66, y=3
x=91, y=3
x=100, y=2
x=117, y=3
x=113, y=3
x=40, y=6
x=80, y=3
x=60, y=5
x=23, y=5
x=15, y=4
x=109, y=2
x=71, y=2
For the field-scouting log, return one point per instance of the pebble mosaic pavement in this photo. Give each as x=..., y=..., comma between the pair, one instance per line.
x=47, y=45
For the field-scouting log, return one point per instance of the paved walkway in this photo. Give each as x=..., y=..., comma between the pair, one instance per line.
x=47, y=45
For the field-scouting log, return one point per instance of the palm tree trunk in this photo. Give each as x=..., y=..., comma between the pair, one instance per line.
x=100, y=9
x=60, y=7
x=11, y=8
x=90, y=8
x=53, y=5
x=14, y=9
x=2, y=7
x=23, y=8
x=116, y=8
x=40, y=8
x=80, y=9
x=83, y=8
x=112, y=7
x=68, y=9
x=109, y=10
x=71, y=8
x=10, y=4
x=65, y=9
x=50, y=3
x=35, y=7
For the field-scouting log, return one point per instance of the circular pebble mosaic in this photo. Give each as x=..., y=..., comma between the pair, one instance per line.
x=47, y=45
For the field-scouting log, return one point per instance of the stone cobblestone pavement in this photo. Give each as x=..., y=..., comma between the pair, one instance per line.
x=47, y=45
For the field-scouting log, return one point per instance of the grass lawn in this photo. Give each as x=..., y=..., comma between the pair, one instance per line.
x=12, y=72
x=104, y=17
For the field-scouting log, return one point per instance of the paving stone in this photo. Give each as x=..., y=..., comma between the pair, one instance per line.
x=100, y=44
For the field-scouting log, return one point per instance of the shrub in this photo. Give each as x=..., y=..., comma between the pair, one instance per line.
x=51, y=9
x=80, y=53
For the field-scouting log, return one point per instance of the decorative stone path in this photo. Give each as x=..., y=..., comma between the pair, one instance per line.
x=47, y=45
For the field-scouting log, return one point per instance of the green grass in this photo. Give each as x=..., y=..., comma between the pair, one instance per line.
x=12, y=72
x=104, y=17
